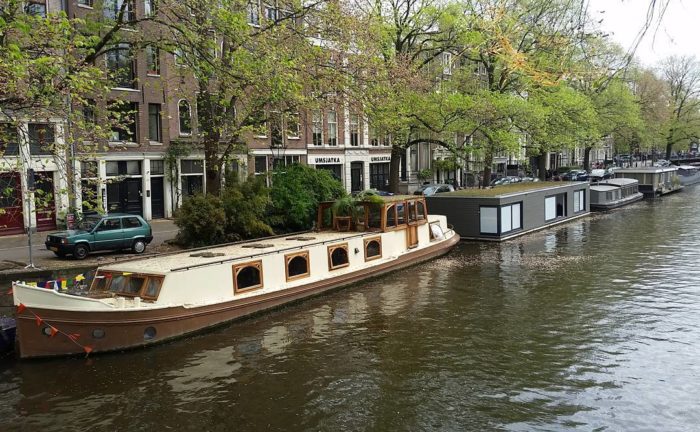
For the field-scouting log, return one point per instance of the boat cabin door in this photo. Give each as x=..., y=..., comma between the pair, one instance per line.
x=412, y=236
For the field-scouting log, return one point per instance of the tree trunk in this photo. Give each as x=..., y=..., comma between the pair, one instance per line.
x=587, y=158
x=394, y=168
x=488, y=162
x=542, y=167
x=213, y=171
x=669, y=145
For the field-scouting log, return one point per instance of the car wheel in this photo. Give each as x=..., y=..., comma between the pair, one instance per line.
x=80, y=252
x=139, y=246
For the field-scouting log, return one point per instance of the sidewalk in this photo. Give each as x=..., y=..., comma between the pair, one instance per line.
x=14, y=251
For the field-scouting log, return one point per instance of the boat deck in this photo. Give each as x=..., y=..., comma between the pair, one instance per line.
x=231, y=252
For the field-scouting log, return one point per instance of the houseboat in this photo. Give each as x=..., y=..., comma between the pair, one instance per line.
x=508, y=211
x=688, y=174
x=653, y=181
x=145, y=301
x=614, y=193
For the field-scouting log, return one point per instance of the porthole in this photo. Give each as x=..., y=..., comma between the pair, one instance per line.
x=46, y=331
x=149, y=333
x=247, y=276
x=98, y=334
x=338, y=256
x=297, y=265
x=373, y=248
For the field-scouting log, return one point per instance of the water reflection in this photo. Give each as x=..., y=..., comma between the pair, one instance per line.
x=591, y=325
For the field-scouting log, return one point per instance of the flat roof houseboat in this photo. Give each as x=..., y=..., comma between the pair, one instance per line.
x=145, y=301
x=614, y=193
x=653, y=181
x=508, y=211
x=688, y=174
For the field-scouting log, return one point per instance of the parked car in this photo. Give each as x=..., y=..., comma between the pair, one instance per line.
x=662, y=163
x=575, y=175
x=432, y=189
x=374, y=192
x=506, y=180
x=599, y=175
x=102, y=232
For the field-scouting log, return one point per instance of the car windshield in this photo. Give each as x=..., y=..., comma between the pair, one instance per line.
x=88, y=224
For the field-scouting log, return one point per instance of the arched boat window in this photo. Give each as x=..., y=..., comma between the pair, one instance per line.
x=247, y=276
x=373, y=248
x=420, y=210
x=412, y=211
x=391, y=216
x=338, y=256
x=401, y=213
x=297, y=265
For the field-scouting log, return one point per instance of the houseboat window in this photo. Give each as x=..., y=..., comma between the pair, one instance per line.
x=420, y=210
x=153, y=287
x=338, y=256
x=488, y=219
x=373, y=248
x=134, y=285
x=374, y=217
x=99, y=283
x=118, y=283
x=247, y=276
x=579, y=201
x=554, y=207
x=391, y=216
x=401, y=213
x=412, y=211
x=511, y=217
x=297, y=265
x=436, y=231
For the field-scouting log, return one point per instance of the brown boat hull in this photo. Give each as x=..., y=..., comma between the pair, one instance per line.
x=126, y=329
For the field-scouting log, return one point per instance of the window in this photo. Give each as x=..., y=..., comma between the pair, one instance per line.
x=276, y=137
x=488, y=220
x=260, y=165
x=89, y=116
x=118, y=168
x=354, y=130
x=270, y=11
x=123, y=117
x=150, y=7
x=332, y=128
x=579, y=201
x=373, y=136
x=121, y=65
x=154, y=123
x=317, y=128
x=247, y=276
x=157, y=167
x=373, y=248
x=152, y=60
x=554, y=207
x=386, y=140
x=447, y=63
x=511, y=216
x=185, y=116
x=88, y=169
x=179, y=57
x=152, y=288
x=436, y=232
x=391, y=216
x=131, y=222
x=254, y=12
x=41, y=138
x=86, y=3
x=400, y=213
x=112, y=9
x=420, y=210
x=297, y=265
x=293, y=125
x=110, y=225
x=259, y=121
x=37, y=9
x=338, y=256
x=191, y=166
x=9, y=140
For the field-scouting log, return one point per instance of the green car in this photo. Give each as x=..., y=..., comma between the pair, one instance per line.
x=102, y=232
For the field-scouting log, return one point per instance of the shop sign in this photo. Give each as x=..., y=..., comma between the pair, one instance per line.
x=326, y=160
x=380, y=159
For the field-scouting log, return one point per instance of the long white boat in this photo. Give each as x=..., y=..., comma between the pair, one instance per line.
x=688, y=174
x=145, y=301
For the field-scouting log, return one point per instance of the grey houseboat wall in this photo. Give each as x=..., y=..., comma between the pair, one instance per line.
x=526, y=211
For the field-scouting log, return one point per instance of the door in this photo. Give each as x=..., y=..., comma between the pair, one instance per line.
x=157, y=198
x=125, y=197
x=412, y=236
x=109, y=235
x=45, y=202
x=379, y=176
x=356, y=181
x=11, y=214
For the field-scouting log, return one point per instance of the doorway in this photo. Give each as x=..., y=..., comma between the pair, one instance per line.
x=125, y=197
x=157, y=198
x=11, y=214
x=356, y=181
x=45, y=201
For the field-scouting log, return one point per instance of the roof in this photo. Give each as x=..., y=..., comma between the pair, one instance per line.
x=509, y=189
x=644, y=170
x=603, y=188
x=618, y=182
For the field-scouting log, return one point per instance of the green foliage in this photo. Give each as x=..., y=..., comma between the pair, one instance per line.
x=245, y=205
x=296, y=192
x=201, y=220
x=425, y=174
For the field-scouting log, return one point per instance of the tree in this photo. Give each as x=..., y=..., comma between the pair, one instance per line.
x=682, y=76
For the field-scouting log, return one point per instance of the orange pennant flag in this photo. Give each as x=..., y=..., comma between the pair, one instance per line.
x=87, y=349
x=74, y=336
x=54, y=330
x=21, y=308
x=9, y=292
x=39, y=321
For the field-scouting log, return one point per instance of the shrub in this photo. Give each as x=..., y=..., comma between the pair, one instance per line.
x=296, y=192
x=246, y=205
x=201, y=220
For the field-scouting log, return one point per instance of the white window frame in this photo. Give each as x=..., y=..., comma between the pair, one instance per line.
x=333, y=128
x=179, y=119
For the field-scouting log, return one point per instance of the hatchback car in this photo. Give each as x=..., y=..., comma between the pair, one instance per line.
x=432, y=189
x=102, y=232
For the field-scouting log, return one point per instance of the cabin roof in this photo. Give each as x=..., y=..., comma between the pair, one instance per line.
x=510, y=189
x=604, y=188
x=248, y=250
x=618, y=182
x=645, y=170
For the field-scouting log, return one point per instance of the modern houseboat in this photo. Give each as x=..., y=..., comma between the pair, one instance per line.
x=504, y=212
x=145, y=301
x=614, y=193
x=688, y=175
x=653, y=181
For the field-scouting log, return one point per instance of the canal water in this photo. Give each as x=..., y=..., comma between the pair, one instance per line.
x=594, y=325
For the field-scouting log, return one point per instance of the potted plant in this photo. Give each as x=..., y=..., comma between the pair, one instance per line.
x=425, y=175
x=344, y=212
